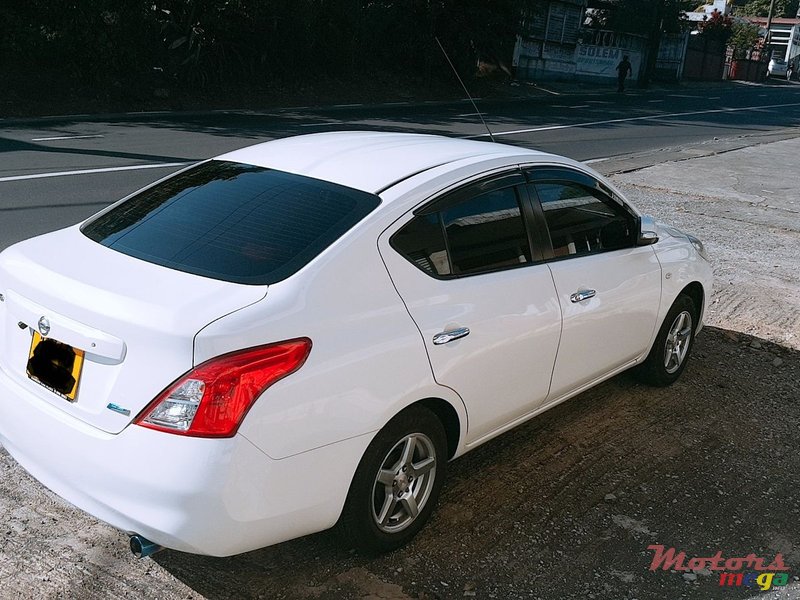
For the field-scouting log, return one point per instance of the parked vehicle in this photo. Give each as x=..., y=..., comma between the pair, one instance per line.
x=777, y=67
x=304, y=332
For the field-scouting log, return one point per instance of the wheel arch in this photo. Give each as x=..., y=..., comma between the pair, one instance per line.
x=449, y=418
x=696, y=292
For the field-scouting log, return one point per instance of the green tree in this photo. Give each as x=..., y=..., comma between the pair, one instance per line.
x=744, y=37
x=133, y=47
x=642, y=16
x=760, y=8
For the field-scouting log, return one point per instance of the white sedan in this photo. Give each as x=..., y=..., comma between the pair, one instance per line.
x=303, y=333
x=777, y=67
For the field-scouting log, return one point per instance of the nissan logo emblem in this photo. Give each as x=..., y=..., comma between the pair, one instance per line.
x=44, y=326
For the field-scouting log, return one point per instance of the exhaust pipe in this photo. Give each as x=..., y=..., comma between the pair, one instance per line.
x=142, y=547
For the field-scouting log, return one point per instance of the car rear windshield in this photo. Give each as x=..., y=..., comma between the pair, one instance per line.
x=233, y=222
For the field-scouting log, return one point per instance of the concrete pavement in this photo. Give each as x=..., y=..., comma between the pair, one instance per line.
x=745, y=205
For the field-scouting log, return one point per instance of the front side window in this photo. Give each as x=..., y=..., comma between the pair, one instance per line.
x=581, y=221
x=480, y=233
x=231, y=221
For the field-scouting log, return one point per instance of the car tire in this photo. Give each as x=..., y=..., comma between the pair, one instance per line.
x=673, y=345
x=397, y=483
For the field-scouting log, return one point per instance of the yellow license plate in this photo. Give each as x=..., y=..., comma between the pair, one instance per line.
x=55, y=365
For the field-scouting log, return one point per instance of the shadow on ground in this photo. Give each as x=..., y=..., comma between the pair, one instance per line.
x=566, y=505
x=603, y=114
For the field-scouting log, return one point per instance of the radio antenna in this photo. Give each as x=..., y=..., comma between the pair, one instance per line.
x=475, y=106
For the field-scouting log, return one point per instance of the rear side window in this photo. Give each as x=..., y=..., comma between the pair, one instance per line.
x=233, y=222
x=422, y=242
x=478, y=234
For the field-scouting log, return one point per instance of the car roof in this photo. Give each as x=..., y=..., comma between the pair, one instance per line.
x=369, y=160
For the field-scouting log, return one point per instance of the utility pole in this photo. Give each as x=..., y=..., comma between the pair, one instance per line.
x=768, y=41
x=653, y=43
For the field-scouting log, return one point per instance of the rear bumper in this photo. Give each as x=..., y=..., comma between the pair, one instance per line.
x=206, y=496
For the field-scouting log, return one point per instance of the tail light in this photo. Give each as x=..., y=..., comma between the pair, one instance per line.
x=212, y=399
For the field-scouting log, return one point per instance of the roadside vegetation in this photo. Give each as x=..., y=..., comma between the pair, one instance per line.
x=111, y=53
x=60, y=56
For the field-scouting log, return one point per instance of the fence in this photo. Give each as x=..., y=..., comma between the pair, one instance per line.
x=705, y=59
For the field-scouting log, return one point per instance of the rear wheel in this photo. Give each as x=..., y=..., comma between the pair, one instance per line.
x=670, y=352
x=397, y=483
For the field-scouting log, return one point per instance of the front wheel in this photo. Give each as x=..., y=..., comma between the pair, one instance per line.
x=670, y=352
x=397, y=483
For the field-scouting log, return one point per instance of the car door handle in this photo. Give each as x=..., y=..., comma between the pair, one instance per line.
x=449, y=336
x=582, y=295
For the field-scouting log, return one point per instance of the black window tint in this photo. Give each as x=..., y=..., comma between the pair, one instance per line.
x=580, y=222
x=232, y=222
x=422, y=242
x=486, y=232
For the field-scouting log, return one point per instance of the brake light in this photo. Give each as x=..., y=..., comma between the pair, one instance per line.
x=212, y=399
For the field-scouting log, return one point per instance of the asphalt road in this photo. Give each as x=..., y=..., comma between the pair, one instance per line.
x=57, y=171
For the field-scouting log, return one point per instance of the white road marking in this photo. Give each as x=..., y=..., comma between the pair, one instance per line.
x=654, y=101
x=91, y=171
x=347, y=105
x=631, y=119
x=320, y=124
x=551, y=92
x=65, y=116
x=579, y=106
x=65, y=137
x=476, y=99
x=596, y=160
x=469, y=115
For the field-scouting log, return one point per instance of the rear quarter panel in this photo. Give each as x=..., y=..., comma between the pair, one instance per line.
x=367, y=360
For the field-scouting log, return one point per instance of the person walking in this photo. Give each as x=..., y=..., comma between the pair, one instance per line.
x=623, y=70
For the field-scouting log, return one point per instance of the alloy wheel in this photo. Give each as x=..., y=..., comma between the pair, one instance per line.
x=677, y=343
x=404, y=482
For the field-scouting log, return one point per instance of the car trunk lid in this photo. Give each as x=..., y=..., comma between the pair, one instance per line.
x=134, y=320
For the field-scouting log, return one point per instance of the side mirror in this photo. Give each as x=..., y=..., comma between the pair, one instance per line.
x=647, y=231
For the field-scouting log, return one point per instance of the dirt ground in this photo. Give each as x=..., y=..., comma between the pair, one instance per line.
x=566, y=505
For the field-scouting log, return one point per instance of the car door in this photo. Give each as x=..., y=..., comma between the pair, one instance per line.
x=608, y=288
x=482, y=298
